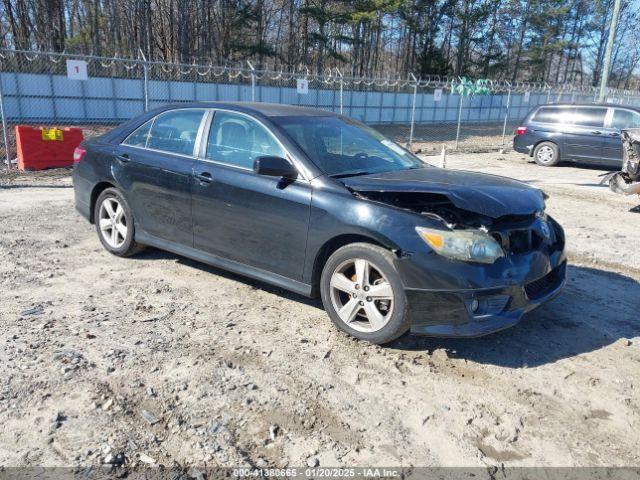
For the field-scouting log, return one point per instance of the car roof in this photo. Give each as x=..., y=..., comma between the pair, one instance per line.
x=603, y=105
x=264, y=109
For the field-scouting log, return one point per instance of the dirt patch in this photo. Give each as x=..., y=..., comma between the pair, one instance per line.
x=235, y=372
x=474, y=137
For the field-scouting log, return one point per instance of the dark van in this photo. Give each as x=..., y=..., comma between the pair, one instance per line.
x=578, y=133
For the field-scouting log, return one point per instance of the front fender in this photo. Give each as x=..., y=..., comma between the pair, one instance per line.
x=335, y=214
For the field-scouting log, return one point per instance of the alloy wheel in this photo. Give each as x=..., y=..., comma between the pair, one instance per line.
x=361, y=295
x=113, y=222
x=545, y=154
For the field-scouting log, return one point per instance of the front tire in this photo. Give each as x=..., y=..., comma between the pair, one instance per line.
x=546, y=154
x=363, y=294
x=114, y=223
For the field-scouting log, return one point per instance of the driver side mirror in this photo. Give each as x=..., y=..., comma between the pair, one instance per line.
x=274, y=167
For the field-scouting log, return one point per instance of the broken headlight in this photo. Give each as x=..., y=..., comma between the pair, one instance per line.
x=465, y=245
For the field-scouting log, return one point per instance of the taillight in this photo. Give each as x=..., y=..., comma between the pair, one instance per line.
x=521, y=131
x=78, y=153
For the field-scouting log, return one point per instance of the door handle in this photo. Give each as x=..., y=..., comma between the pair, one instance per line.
x=596, y=132
x=614, y=134
x=124, y=158
x=204, y=177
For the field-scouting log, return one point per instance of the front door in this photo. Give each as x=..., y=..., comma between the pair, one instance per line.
x=154, y=165
x=257, y=220
x=583, y=136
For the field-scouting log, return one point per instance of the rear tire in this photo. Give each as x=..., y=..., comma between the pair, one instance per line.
x=546, y=154
x=114, y=224
x=363, y=294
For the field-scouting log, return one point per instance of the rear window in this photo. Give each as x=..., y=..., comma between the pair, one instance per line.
x=625, y=119
x=548, y=115
x=175, y=131
x=589, y=117
x=139, y=137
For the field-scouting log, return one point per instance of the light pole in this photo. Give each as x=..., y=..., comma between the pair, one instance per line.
x=607, y=56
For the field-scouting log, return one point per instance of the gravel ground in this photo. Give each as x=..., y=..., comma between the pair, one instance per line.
x=159, y=360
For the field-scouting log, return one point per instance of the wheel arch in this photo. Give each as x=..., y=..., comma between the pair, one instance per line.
x=547, y=140
x=329, y=247
x=98, y=188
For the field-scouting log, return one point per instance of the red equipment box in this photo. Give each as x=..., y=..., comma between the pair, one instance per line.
x=41, y=148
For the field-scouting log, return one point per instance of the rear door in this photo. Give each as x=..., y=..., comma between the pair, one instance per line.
x=584, y=134
x=154, y=166
x=617, y=120
x=253, y=219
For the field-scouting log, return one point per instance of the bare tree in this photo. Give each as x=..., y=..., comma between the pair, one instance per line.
x=547, y=40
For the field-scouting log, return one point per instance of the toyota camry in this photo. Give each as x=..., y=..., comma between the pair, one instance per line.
x=322, y=205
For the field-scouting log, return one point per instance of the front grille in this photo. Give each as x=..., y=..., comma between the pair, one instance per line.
x=545, y=285
x=520, y=241
x=517, y=240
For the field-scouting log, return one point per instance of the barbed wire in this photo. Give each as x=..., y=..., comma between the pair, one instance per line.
x=244, y=71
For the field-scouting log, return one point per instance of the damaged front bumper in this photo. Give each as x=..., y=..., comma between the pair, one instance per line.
x=451, y=314
x=457, y=299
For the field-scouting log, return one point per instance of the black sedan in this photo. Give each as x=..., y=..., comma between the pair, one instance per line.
x=322, y=205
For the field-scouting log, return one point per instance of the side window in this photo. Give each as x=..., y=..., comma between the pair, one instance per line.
x=547, y=115
x=175, y=131
x=590, y=117
x=238, y=140
x=138, y=138
x=625, y=119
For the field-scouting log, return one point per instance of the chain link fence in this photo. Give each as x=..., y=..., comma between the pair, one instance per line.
x=36, y=88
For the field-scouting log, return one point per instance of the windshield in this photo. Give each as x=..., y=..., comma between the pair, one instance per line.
x=341, y=147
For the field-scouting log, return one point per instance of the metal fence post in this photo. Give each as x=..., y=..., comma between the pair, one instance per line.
x=413, y=107
x=53, y=99
x=83, y=92
x=253, y=81
x=506, y=115
x=395, y=103
x=145, y=84
x=459, y=119
x=341, y=87
x=4, y=127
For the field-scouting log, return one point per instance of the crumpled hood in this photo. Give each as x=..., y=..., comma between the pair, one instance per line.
x=481, y=193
